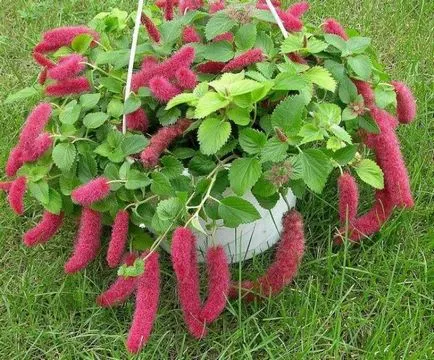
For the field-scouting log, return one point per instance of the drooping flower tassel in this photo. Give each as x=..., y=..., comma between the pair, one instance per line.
x=298, y=9
x=227, y=36
x=348, y=198
x=152, y=30
x=138, y=120
x=68, y=67
x=5, y=185
x=190, y=35
x=147, y=296
x=281, y=272
x=216, y=6
x=68, y=87
x=121, y=289
x=162, y=89
x=241, y=61
x=186, y=78
x=168, y=10
x=41, y=145
x=364, y=89
x=161, y=140
x=42, y=78
x=44, y=230
x=331, y=26
x=92, y=192
x=406, y=104
x=16, y=194
x=35, y=123
x=42, y=60
x=14, y=162
x=211, y=67
x=118, y=239
x=87, y=243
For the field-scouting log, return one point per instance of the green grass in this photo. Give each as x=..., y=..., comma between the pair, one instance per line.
x=371, y=301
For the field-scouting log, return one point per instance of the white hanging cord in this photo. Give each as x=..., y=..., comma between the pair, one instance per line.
x=132, y=57
x=277, y=18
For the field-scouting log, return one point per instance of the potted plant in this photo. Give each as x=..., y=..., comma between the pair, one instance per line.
x=231, y=109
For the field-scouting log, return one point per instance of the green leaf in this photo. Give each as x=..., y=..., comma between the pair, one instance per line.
x=274, y=150
x=316, y=167
x=385, y=95
x=328, y=114
x=321, y=76
x=243, y=87
x=181, y=99
x=218, y=24
x=137, y=269
x=245, y=37
x=240, y=116
x=341, y=133
x=294, y=82
x=264, y=188
x=113, y=85
x=293, y=43
x=336, y=69
x=23, y=94
x=252, y=141
x=361, y=65
x=133, y=144
x=87, y=167
x=243, y=174
x=89, y=101
x=168, y=210
x=64, y=156
x=54, y=204
x=115, y=108
x=161, y=184
x=356, y=45
x=348, y=114
x=168, y=117
x=81, y=43
x=210, y=103
x=172, y=167
x=40, y=191
x=235, y=211
x=315, y=46
x=136, y=180
x=310, y=132
x=71, y=113
x=369, y=124
x=335, y=41
x=347, y=90
x=68, y=183
x=345, y=155
x=370, y=173
x=95, y=120
x=132, y=104
x=218, y=51
x=265, y=43
x=288, y=114
x=213, y=134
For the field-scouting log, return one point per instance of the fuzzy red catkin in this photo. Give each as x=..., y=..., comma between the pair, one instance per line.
x=138, y=120
x=189, y=5
x=241, y=61
x=290, y=22
x=68, y=67
x=331, y=26
x=5, y=185
x=63, y=36
x=44, y=230
x=406, y=103
x=92, y=192
x=162, y=89
x=298, y=9
x=42, y=60
x=186, y=79
x=35, y=123
x=211, y=67
x=118, y=239
x=261, y=3
x=227, y=36
x=184, y=263
x=42, y=78
x=161, y=140
x=147, y=296
x=216, y=6
x=348, y=198
x=121, y=289
x=14, y=162
x=218, y=284
x=190, y=35
x=42, y=144
x=168, y=10
x=16, y=194
x=288, y=256
x=297, y=58
x=68, y=87
x=87, y=243
x=364, y=89
x=150, y=27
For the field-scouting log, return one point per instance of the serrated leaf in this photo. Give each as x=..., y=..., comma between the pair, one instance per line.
x=172, y=167
x=345, y=155
x=235, y=211
x=356, y=45
x=209, y=103
x=361, y=65
x=341, y=133
x=40, y=191
x=95, y=120
x=316, y=167
x=132, y=104
x=161, y=184
x=315, y=46
x=274, y=150
x=310, y=132
x=71, y=113
x=168, y=210
x=240, y=116
x=243, y=87
x=218, y=24
x=89, y=101
x=181, y=99
x=245, y=37
x=64, y=156
x=136, y=180
x=347, y=90
x=133, y=144
x=81, y=43
x=369, y=124
x=115, y=108
x=243, y=174
x=218, y=51
x=321, y=77
x=293, y=43
x=252, y=141
x=370, y=173
x=213, y=134
x=288, y=114
x=335, y=41
x=385, y=95
x=23, y=94
x=54, y=204
x=328, y=114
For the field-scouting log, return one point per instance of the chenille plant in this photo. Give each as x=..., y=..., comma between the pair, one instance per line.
x=223, y=103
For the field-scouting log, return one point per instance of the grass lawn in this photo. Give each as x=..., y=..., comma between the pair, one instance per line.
x=369, y=301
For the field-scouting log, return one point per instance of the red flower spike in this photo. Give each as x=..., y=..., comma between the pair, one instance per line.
x=5, y=185
x=68, y=67
x=35, y=123
x=152, y=30
x=138, y=120
x=364, y=89
x=406, y=104
x=261, y=3
x=68, y=87
x=63, y=36
x=42, y=144
x=186, y=78
x=43, y=61
x=147, y=296
x=121, y=289
x=211, y=67
x=168, y=10
x=331, y=26
x=227, y=36
x=189, y=5
x=87, y=243
x=118, y=239
x=162, y=89
x=161, y=140
x=190, y=35
x=185, y=266
x=281, y=272
x=218, y=284
x=297, y=58
x=216, y=6
x=92, y=192
x=184, y=57
x=44, y=230
x=241, y=61
x=15, y=161
x=298, y=9
x=42, y=78
x=290, y=22
x=348, y=198
x=17, y=191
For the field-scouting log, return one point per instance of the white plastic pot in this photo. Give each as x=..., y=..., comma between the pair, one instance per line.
x=250, y=239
